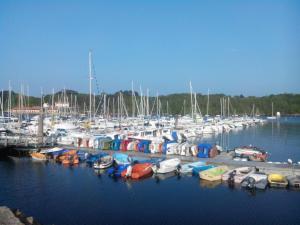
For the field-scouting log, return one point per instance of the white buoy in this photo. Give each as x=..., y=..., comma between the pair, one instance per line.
x=290, y=161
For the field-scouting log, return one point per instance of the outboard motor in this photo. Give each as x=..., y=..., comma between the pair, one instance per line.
x=231, y=177
x=178, y=169
x=251, y=183
x=157, y=166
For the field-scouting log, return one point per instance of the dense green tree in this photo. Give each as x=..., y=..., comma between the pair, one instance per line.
x=174, y=104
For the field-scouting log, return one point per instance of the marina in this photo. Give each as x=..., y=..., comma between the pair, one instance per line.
x=245, y=154
x=149, y=112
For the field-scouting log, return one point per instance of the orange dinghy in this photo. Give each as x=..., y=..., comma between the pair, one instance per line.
x=138, y=171
x=38, y=156
x=70, y=160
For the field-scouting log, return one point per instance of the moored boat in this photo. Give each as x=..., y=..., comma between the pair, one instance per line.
x=253, y=153
x=198, y=169
x=277, y=180
x=38, y=156
x=294, y=181
x=70, y=159
x=92, y=158
x=51, y=150
x=117, y=171
x=237, y=175
x=121, y=159
x=166, y=166
x=213, y=174
x=138, y=171
x=255, y=180
x=188, y=167
x=64, y=157
x=104, y=162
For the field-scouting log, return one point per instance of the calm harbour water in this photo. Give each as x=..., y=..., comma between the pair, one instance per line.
x=280, y=138
x=55, y=194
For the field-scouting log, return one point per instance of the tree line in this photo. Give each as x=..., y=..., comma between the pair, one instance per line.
x=172, y=104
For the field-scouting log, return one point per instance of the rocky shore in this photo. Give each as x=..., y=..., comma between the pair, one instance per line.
x=15, y=217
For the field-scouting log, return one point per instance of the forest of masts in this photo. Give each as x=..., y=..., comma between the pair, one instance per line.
x=65, y=103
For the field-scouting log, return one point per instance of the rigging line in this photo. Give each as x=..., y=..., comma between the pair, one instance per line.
x=101, y=95
x=94, y=73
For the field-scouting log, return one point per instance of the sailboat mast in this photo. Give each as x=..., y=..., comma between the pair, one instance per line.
x=90, y=81
x=228, y=106
x=9, y=99
x=207, y=106
x=132, y=99
x=2, y=105
x=52, y=107
x=192, y=108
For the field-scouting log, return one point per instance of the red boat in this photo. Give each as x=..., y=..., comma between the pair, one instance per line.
x=138, y=171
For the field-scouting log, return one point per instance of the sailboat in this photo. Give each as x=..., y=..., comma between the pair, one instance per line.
x=272, y=117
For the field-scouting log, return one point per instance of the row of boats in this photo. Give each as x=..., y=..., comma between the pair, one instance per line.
x=132, y=167
x=81, y=132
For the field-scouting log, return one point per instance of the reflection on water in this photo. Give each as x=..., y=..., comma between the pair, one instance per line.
x=99, y=172
x=209, y=184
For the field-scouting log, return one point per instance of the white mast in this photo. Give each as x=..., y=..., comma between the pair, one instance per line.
x=132, y=99
x=94, y=108
x=28, y=105
x=157, y=105
x=167, y=108
x=90, y=80
x=9, y=99
x=2, y=105
x=221, y=108
x=147, y=101
x=104, y=107
x=207, y=106
x=141, y=102
x=52, y=107
x=195, y=100
x=41, y=97
x=228, y=106
x=191, y=90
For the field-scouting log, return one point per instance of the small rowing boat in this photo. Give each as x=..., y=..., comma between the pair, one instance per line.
x=38, y=156
x=213, y=174
x=104, y=162
x=138, y=171
x=277, y=180
x=166, y=166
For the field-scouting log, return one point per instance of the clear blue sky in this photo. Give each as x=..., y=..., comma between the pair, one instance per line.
x=232, y=47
